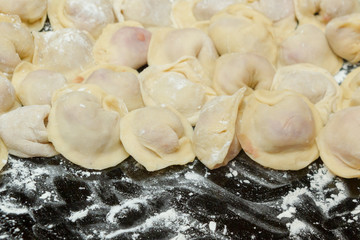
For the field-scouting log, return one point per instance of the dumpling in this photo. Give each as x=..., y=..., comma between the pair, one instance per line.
x=119, y=81
x=351, y=89
x=16, y=43
x=35, y=86
x=187, y=13
x=320, y=12
x=215, y=141
x=308, y=44
x=124, y=44
x=157, y=137
x=32, y=13
x=239, y=28
x=278, y=129
x=315, y=83
x=7, y=95
x=88, y=15
x=175, y=85
x=343, y=35
x=68, y=51
x=168, y=45
x=3, y=155
x=84, y=126
x=236, y=70
x=23, y=131
x=149, y=13
x=339, y=143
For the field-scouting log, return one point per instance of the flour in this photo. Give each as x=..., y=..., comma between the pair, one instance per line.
x=296, y=227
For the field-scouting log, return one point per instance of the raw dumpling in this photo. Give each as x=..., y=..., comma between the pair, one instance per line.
x=35, y=86
x=123, y=44
x=68, y=51
x=23, y=131
x=239, y=28
x=89, y=15
x=149, y=13
x=320, y=12
x=315, y=83
x=308, y=44
x=119, y=81
x=168, y=45
x=215, y=141
x=7, y=95
x=278, y=129
x=32, y=13
x=343, y=35
x=175, y=85
x=84, y=126
x=236, y=70
x=339, y=143
x=3, y=154
x=157, y=137
x=16, y=43
x=351, y=89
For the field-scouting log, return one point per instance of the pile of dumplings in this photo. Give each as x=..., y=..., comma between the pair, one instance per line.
x=168, y=81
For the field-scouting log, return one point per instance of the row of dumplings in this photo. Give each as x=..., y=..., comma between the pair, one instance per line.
x=75, y=91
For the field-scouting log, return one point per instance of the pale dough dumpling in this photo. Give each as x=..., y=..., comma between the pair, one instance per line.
x=176, y=86
x=88, y=15
x=7, y=95
x=119, y=81
x=278, y=129
x=215, y=141
x=236, y=70
x=239, y=28
x=339, y=143
x=320, y=12
x=157, y=137
x=149, y=13
x=32, y=13
x=168, y=45
x=68, y=51
x=3, y=155
x=123, y=44
x=351, y=89
x=84, y=126
x=315, y=83
x=16, y=43
x=308, y=44
x=34, y=85
x=343, y=35
x=23, y=131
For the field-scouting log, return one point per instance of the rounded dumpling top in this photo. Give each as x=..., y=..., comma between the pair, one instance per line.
x=7, y=94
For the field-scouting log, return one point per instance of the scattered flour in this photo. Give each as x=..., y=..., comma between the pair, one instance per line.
x=296, y=227
x=212, y=226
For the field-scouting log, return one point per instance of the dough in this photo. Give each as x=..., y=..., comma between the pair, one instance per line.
x=89, y=15
x=315, y=83
x=34, y=85
x=7, y=95
x=278, y=129
x=23, y=131
x=84, y=126
x=16, y=43
x=308, y=44
x=168, y=45
x=52, y=51
x=351, y=89
x=157, y=137
x=3, y=155
x=119, y=81
x=343, y=35
x=32, y=13
x=320, y=12
x=236, y=70
x=124, y=44
x=215, y=141
x=239, y=28
x=341, y=153
x=149, y=13
x=176, y=85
